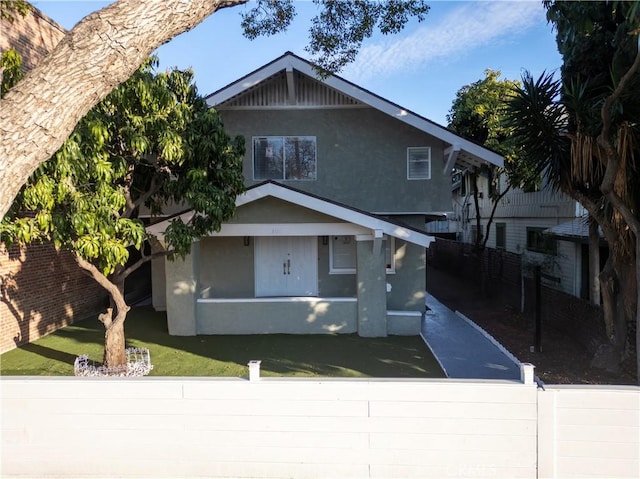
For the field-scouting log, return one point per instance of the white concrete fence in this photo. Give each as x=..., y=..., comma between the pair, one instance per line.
x=302, y=428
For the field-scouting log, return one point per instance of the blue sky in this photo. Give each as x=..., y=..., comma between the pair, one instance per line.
x=420, y=69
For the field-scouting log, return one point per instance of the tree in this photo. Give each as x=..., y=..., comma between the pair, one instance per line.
x=582, y=131
x=10, y=70
x=107, y=46
x=151, y=141
x=10, y=61
x=479, y=114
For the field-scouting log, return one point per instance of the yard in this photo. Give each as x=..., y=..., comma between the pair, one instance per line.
x=281, y=355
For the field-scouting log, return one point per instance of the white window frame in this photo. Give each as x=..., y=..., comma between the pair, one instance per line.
x=390, y=253
x=410, y=160
x=332, y=268
x=284, y=139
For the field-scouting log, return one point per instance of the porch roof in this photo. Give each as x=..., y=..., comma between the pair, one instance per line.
x=575, y=230
x=365, y=223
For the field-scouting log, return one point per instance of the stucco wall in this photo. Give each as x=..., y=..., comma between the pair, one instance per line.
x=409, y=283
x=277, y=315
x=274, y=210
x=333, y=284
x=227, y=267
x=362, y=156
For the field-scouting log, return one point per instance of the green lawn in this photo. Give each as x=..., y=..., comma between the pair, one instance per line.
x=281, y=354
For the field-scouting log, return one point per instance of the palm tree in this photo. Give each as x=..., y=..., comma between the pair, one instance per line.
x=582, y=133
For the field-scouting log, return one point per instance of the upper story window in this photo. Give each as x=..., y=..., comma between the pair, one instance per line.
x=284, y=158
x=419, y=163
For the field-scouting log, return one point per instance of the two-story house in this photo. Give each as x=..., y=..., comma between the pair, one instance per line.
x=329, y=237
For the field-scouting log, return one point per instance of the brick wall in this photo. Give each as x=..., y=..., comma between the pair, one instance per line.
x=32, y=36
x=42, y=290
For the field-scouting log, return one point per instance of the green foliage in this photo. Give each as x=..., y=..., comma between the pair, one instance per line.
x=152, y=140
x=10, y=8
x=11, y=66
x=340, y=27
x=598, y=45
x=535, y=107
x=479, y=113
x=558, y=121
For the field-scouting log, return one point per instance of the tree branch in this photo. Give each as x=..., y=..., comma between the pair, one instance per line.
x=132, y=205
x=613, y=158
x=144, y=259
x=493, y=212
x=99, y=53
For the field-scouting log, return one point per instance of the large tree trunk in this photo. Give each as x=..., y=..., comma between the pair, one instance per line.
x=113, y=318
x=618, y=286
x=102, y=51
x=114, y=344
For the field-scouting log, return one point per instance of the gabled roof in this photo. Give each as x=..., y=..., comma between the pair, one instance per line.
x=460, y=152
x=575, y=230
x=373, y=223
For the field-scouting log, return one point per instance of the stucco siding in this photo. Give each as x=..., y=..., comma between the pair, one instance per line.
x=361, y=156
x=336, y=285
x=274, y=210
x=277, y=316
x=227, y=268
x=409, y=283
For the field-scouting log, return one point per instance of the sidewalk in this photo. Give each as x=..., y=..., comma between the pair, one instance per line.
x=463, y=349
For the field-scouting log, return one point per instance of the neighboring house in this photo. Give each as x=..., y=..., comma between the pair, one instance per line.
x=546, y=227
x=329, y=237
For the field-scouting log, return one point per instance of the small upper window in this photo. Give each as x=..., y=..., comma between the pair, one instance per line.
x=284, y=158
x=419, y=163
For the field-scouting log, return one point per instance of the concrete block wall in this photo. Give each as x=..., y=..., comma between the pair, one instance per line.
x=42, y=290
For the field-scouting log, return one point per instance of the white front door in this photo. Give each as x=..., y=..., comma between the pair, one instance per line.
x=286, y=266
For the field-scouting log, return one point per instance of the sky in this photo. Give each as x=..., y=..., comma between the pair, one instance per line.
x=420, y=69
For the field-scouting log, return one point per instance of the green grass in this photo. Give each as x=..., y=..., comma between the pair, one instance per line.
x=281, y=354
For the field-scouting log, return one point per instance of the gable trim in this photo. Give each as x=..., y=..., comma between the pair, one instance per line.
x=474, y=152
x=334, y=209
x=357, y=222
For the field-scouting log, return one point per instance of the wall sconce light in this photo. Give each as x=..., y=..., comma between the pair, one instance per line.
x=247, y=240
x=325, y=240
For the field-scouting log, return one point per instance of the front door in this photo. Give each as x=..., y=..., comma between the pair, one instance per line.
x=286, y=266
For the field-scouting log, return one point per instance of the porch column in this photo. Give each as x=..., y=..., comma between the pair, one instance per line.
x=182, y=290
x=372, y=288
x=159, y=284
